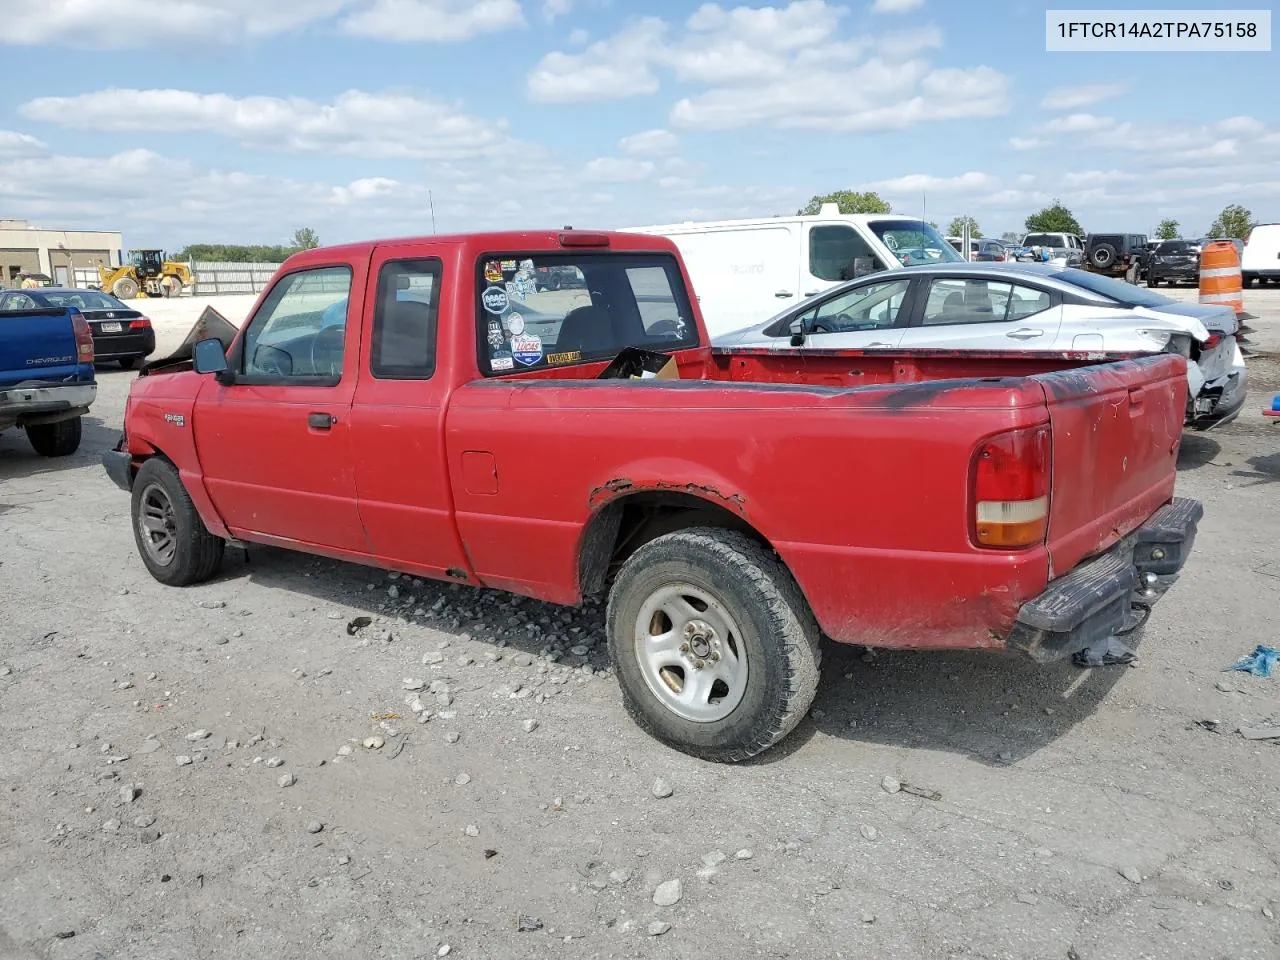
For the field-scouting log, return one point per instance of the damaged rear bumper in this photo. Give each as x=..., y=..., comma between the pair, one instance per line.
x=1112, y=593
x=119, y=465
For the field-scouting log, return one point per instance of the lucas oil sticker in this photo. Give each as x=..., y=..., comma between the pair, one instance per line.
x=496, y=337
x=493, y=272
x=495, y=300
x=527, y=350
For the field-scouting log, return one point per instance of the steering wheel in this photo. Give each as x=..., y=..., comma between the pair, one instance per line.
x=326, y=351
x=270, y=362
x=837, y=324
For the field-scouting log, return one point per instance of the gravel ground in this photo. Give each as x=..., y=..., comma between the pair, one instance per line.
x=226, y=771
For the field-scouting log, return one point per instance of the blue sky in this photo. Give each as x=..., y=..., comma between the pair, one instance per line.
x=184, y=121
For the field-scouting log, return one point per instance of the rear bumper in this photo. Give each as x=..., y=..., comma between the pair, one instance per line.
x=115, y=346
x=1112, y=592
x=1231, y=390
x=21, y=405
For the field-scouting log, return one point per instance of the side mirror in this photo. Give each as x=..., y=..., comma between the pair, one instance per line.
x=209, y=356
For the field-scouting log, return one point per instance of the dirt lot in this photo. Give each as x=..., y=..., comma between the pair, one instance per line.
x=183, y=772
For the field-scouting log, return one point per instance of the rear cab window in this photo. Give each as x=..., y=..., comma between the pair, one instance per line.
x=541, y=310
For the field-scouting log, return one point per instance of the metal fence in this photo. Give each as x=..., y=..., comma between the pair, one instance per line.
x=215, y=278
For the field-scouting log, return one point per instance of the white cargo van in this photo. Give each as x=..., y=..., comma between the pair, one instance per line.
x=745, y=271
x=1261, y=257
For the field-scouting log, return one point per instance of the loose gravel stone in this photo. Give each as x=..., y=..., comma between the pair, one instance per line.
x=274, y=762
x=462, y=779
x=197, y=735
x=472, y=830
x=374, y=743
x=129, y=793
x=1131, y=874
x=713, y=859
x=530, y=725
x=662, y=789
x=183, y=761
x=315, y=826
x=868, y=832
x=413, y=684
x=451, y=737
x=287, y=780
x=744, y=854
x=669, y=893
x=658, y=928
x=144, y=821
x=432, y=657
x=890, y=785
x=111, y=826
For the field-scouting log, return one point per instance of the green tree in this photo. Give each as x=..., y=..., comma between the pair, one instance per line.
x=1054, y=218
x=956, y=229
x=1011, y=236
x=1234, y=221
x=1168, y=229
x=305, y=238
x=849, y=201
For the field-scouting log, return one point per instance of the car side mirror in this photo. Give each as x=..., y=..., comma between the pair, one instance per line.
x=209, y=356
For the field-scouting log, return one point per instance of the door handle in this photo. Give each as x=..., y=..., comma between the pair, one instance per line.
x=1024, y=333
x=812, y=293
x=784, y=293
x=320, y=421
x=877, y=343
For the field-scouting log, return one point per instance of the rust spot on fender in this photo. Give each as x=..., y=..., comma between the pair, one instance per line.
x=615, y=486
x=620, y=485
x=735, y=500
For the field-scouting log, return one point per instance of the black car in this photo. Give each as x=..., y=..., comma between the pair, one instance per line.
x=1114, y=253
x=992, y=251
x=1173, y=260
x=120, y=333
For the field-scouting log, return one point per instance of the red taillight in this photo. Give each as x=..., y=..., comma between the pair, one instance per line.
x=84, y=336
x=142, y=323
x=1011, y=488
x=1213, y=341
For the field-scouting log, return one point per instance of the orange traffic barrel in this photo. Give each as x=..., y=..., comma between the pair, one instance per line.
x=1220, y=280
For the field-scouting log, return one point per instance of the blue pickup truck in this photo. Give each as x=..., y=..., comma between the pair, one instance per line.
x=46, y=376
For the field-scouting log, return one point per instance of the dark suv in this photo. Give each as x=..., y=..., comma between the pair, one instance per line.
x=1173, y=260
x=1114, y=253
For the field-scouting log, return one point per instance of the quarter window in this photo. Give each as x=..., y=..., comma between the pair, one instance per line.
x=300, y=331
x=404, y=320
x=969, y=300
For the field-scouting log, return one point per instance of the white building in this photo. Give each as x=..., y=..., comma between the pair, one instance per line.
x=69, y=257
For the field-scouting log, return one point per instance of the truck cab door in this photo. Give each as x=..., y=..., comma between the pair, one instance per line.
x=275, y=442
x=835, y=252
x=982, y=314
x=398, y=415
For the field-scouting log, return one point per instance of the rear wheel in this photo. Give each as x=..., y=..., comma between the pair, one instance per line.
x=59, y=439
x=715, y=647
x=173, y=541
x=125, y=288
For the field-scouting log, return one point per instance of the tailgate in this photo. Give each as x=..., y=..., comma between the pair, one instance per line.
x=1116, y=429
x=36, y=345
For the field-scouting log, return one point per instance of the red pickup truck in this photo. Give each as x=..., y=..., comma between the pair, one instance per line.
x=432, y=406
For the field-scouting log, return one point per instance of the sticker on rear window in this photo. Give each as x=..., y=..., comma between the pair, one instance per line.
x=495, y=300
x=508, y=266
x=493, y=272
x=558, y=359
x=496, y=337
x=501, y=363
x=527, y=350
x=515, y=323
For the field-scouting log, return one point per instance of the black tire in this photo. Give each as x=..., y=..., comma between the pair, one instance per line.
x=775, y=628
x=1102, y=256
x=196, y=553
x=129, y=363
x=59, y=439
x=1152, y=279
x=1246, y=280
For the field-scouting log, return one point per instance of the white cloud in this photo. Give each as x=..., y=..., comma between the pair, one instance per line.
x=895, y=6
x=555, y=8
x=917, y=182
x=578, y=36
x=432, y=21
x=1082, y=95
x=1026, y=178
x=787, y=65
x=608, y=69
x=1077, y=123
x=649, y=143
x=1094, y=177
x=1245, y=126
x=355, y=122
x=1026, y=143
x=616, y=170
x=14, y=144
x=116, y=24
x=366, y=189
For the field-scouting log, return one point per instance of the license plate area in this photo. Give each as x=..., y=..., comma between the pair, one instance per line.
x=111, y=327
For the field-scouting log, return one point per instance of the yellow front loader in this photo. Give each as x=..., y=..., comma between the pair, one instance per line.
x=147, y=274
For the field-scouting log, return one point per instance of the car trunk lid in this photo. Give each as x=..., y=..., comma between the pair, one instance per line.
x=1215, y=318
x=1116, y=430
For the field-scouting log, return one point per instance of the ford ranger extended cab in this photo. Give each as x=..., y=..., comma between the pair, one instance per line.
x=428, y=406
x=46, y=376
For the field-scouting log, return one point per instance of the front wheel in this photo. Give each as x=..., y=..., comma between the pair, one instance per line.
x=175, y=545
x=715, y=647
x=59, y=439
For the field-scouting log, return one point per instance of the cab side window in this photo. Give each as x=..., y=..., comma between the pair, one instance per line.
x=873, y=306
x=838, y=252
x=404, y=320
x=299, y=334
